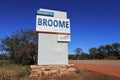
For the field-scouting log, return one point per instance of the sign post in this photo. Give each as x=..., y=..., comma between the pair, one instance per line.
x=53, y=29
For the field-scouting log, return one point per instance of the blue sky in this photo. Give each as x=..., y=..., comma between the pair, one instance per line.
x=93, y=22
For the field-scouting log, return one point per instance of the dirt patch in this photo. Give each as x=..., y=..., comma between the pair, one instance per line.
x=92, y=75
x=99, y=66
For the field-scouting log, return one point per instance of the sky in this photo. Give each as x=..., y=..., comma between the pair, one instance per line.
x=93, y=22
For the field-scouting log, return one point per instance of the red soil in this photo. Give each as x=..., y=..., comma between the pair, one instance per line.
x=102, y=68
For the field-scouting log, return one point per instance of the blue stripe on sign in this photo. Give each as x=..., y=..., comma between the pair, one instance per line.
x=45, y=13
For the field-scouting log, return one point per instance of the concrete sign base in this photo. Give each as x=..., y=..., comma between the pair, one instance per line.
x=51, y=51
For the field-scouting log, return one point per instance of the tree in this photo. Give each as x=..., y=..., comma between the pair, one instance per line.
x=21, y=46
x=109, y=50
x=72, y=57
x=78, y=52
x=93, y=52
x=116, y=49
x=101, y=52
x=84, y=56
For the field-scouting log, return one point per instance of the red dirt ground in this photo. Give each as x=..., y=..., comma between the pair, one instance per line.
x=103, y=67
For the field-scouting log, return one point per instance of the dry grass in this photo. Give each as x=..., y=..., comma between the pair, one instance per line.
x=11, y=71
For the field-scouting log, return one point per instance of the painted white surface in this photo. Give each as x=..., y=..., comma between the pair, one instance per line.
x=50, y=51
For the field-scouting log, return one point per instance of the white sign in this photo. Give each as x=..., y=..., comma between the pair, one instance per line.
x=64, y=38
x=50, y=50
x=52, y=25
